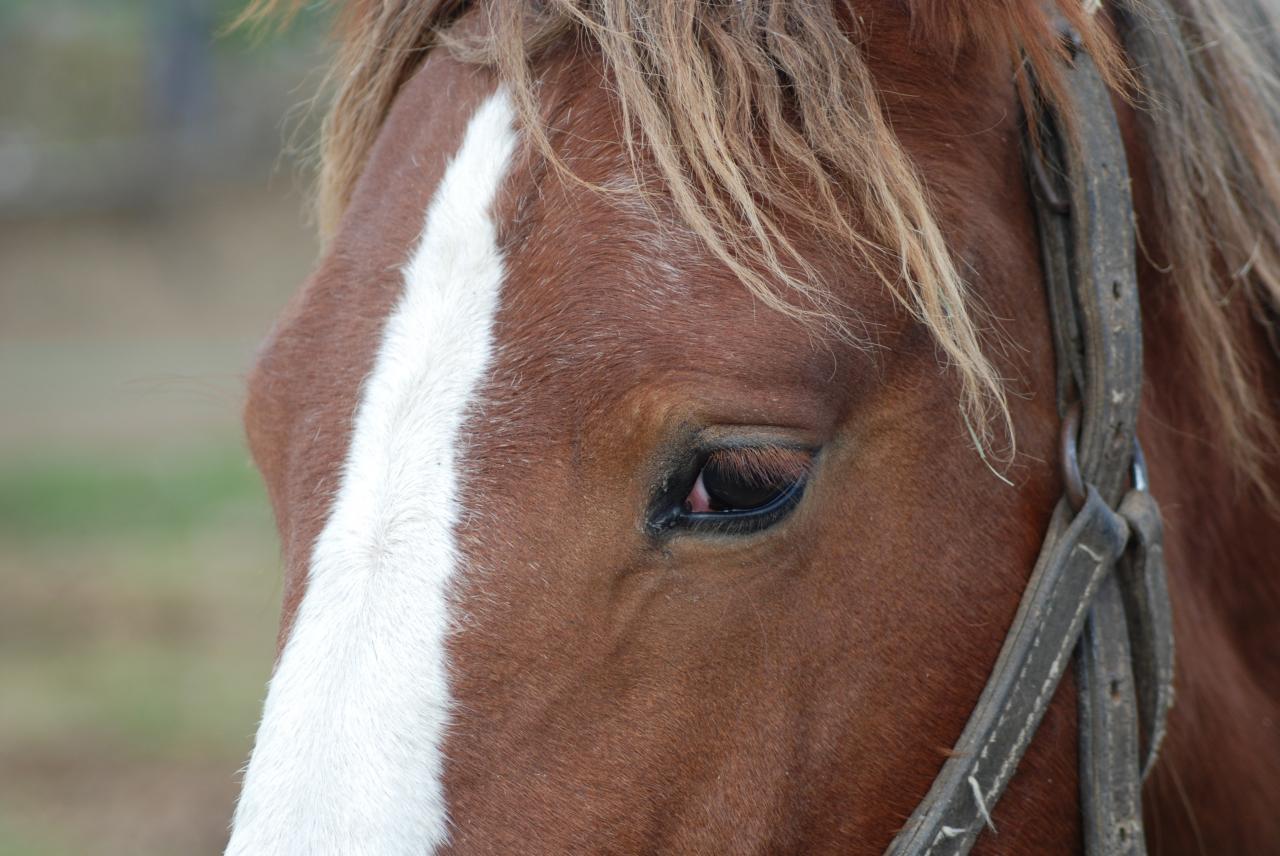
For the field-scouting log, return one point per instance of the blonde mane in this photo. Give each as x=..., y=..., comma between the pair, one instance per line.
x=697, y=82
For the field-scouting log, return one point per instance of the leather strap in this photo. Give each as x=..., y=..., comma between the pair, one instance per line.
x=1110, y=780
x=1078, y=553
x=1155, y=47
x=1121, y=620
x=1088, y=248
x=1146, y=604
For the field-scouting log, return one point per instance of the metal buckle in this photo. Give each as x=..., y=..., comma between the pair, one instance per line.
x=1068, y=445
x=1139, y=466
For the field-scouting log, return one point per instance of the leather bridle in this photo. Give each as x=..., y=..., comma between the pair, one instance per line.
x=1098, y=586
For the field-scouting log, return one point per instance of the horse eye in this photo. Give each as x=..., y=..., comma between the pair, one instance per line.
x=745, y=489
x=722, y=488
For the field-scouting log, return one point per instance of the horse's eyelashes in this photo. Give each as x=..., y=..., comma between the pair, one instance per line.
x=741, y=489
x=762, y=464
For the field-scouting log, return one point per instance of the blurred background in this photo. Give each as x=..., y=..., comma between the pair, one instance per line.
x=150, y=230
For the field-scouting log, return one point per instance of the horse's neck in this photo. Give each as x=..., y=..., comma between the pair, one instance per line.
x=1215, y=787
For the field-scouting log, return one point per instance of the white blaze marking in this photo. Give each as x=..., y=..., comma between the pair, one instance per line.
x=348, y=758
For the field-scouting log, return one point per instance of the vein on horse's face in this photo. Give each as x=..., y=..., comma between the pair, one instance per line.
x=348, y=758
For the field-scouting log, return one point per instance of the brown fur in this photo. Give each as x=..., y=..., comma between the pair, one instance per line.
x=794, y=691
x=700, y=91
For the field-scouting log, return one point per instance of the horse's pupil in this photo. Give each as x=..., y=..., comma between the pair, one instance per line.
x=732, y=491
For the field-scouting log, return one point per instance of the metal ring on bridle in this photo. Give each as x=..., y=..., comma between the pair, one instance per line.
x=1071, y=478
x=1139, y=467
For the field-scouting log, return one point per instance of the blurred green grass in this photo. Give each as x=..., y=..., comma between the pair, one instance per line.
x=139, y=571
x=136, y=632
x=135, y=639
x=143, y=253
x=150, y=496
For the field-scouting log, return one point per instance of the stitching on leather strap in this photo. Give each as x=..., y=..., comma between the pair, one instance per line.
x=949, y=833
x=1050, y=680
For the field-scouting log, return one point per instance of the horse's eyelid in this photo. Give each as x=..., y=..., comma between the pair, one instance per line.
x=765, y=462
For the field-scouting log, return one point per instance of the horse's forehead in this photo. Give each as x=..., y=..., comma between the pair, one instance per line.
x=606, y=301
x=608, y=292
x=307, y=381
x=601, y=294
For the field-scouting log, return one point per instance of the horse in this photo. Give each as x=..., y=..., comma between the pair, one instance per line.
x=662, y=445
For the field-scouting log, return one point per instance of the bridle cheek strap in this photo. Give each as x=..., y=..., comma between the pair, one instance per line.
x=1081, y=551
x=1098, y=586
